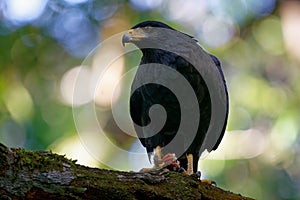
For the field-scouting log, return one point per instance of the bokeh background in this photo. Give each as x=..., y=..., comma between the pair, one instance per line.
x=44, y=42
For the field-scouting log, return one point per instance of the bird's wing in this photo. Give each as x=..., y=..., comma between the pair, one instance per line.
x=210, y=69
x=226, y=103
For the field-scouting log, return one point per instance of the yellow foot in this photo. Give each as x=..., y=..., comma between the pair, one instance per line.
x=190, y=169
x=157, y=160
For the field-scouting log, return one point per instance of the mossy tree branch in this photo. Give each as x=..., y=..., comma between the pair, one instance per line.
x=44, y=175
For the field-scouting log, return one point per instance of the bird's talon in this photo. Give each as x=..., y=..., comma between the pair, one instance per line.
x=198, y=173
x=182, y=170
x=163, y=171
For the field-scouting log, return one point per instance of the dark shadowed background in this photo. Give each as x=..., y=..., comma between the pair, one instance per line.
x=44, y=42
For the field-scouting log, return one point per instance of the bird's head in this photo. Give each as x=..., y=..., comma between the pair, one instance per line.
x=144, y=33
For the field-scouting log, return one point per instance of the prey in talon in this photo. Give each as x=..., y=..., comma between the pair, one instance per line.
x=168, y=161
x=179, y=99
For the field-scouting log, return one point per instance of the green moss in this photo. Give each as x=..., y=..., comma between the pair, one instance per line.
x=3, y=160
x=41, y=160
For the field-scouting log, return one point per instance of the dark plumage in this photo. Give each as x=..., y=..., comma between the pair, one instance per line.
x=144, y=97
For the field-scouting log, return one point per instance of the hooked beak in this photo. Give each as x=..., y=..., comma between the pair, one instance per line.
x=127, y=37
x=134, y=36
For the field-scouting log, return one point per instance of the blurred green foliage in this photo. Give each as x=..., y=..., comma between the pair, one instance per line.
x=255, y=41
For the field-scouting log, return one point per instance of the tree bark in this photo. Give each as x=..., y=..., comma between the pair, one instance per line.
x=44, y=175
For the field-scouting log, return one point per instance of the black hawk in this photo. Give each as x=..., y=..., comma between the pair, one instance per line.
x=170, y=56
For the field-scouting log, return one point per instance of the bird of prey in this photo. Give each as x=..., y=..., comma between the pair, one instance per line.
x=169, y=56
